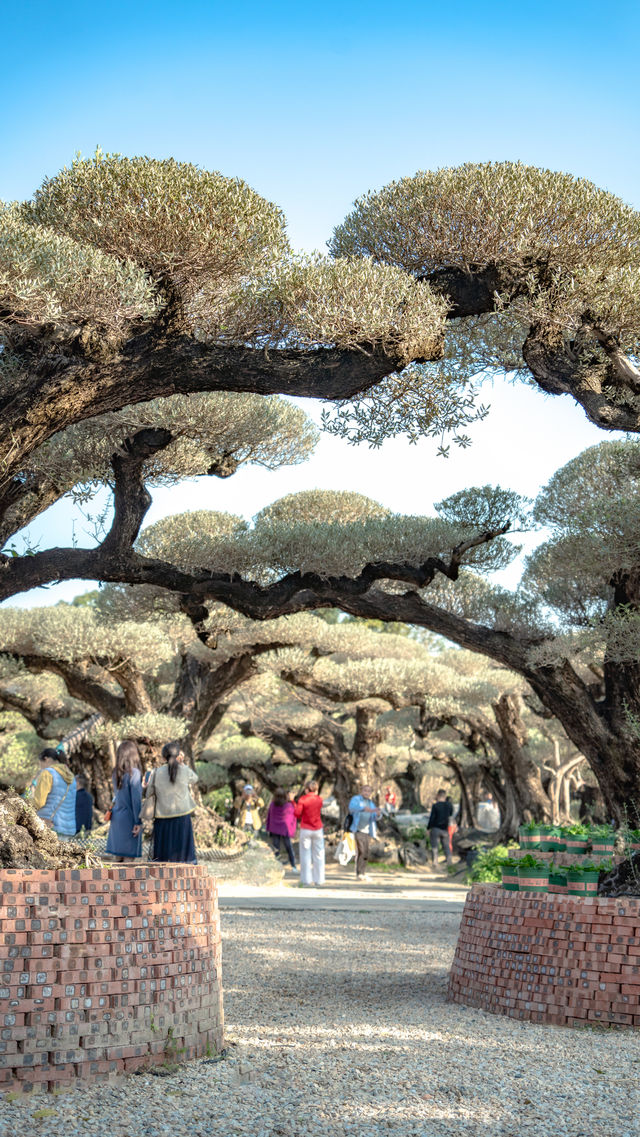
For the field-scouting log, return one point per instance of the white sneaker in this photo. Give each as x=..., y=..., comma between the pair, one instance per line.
x=295, y=869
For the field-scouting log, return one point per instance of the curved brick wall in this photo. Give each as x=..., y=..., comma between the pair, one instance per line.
x=105, y=970
x=558, y=959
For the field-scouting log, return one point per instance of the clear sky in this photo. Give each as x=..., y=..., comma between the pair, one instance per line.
x=313, y=104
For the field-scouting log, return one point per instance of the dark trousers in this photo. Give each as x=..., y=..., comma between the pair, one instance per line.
x=362, y=853
x=276, y=838
x=440, y=835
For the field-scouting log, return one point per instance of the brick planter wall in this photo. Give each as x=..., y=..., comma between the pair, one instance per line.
x=105, y=970
x=567, y=960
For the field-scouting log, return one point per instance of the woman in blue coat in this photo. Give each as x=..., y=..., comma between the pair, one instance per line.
x=125, y=832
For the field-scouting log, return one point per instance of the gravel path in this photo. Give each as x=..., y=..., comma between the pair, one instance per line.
x=337, y=1025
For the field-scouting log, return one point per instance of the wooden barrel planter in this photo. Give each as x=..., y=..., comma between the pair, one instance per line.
x=534, y=879
x=510, y=879
x=575, y=844
x=558, y=882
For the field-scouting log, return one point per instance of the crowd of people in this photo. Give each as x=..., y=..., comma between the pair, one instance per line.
x=163, y=796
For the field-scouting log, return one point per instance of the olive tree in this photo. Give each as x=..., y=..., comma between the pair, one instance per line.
x=540, y=271
x=427, y=572
x=126, y=280
x=149, y=677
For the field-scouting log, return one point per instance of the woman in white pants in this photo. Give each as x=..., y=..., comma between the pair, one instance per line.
x=307, y=810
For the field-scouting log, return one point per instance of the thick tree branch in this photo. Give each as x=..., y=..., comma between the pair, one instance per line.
x=79, y=683
x=474, y=291
x=66, y=389
x=578, y=369
x=131, y=498
x=296, y=592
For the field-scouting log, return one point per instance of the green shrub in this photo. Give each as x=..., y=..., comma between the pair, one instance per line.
x=217, y=799
x=487, y=866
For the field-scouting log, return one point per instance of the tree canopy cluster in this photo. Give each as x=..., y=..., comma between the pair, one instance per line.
x=152, y=316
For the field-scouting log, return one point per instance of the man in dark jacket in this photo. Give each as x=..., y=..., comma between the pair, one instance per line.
x=441, y=811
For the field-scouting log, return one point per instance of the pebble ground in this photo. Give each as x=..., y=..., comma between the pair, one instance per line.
x=337, y=1025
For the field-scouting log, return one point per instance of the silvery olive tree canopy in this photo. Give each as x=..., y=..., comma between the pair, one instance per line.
x=211, y=433
x=125, y=279
x=540, y=271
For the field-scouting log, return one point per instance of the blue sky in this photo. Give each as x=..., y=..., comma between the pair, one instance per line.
x=313, y=105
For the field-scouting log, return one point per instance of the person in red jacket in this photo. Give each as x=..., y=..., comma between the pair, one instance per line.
x=307, y=810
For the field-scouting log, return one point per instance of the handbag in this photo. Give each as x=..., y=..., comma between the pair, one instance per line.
x=148, y=809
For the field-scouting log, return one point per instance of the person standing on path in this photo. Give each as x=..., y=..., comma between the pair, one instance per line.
x=364, y=812
x=170, y=786
x=84, y=805
x=308, y=811
x=54, y=793
x=248, y=808
x=281, y=824
x=438, y=826
x=390, y=800
x=124, y=842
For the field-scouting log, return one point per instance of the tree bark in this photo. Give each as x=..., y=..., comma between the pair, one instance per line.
x=532, y=803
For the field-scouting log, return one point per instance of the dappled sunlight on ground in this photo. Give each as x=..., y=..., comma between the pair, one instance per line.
x=351, y=1009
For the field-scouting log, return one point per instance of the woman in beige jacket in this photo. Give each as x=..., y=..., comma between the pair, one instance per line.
x=170, y=784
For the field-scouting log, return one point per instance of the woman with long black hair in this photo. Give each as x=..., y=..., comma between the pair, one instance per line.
x=124, y=842
x=170, y=785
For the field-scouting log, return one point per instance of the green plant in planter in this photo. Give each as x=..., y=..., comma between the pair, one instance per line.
x=553, y=840
x=632, y=838
x=557, y=878
x=602, y=838
x=533, y=874
x=582, y=880
x=576, y=838
x=509, y=869
x=530, y=835
x=487, y=866
x=531, y=862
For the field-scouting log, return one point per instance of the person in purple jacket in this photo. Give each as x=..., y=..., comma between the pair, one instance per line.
x=281, y=824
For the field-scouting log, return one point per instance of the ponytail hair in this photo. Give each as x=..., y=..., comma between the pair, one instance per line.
x=171, y=752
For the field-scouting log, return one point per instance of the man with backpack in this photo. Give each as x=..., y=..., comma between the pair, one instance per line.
x=363, y=812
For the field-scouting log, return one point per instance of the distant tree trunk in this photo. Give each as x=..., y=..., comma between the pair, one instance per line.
x=367, y=768
x=467, y=816
x=408, y=782
x=522, y=774
x=95, y=764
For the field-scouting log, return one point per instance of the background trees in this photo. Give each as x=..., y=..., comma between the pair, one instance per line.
x=129, y=279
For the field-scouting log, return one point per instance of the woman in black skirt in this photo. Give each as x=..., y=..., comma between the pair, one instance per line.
x=172, y=828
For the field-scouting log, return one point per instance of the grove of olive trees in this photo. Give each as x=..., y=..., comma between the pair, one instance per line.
x=140, y=298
